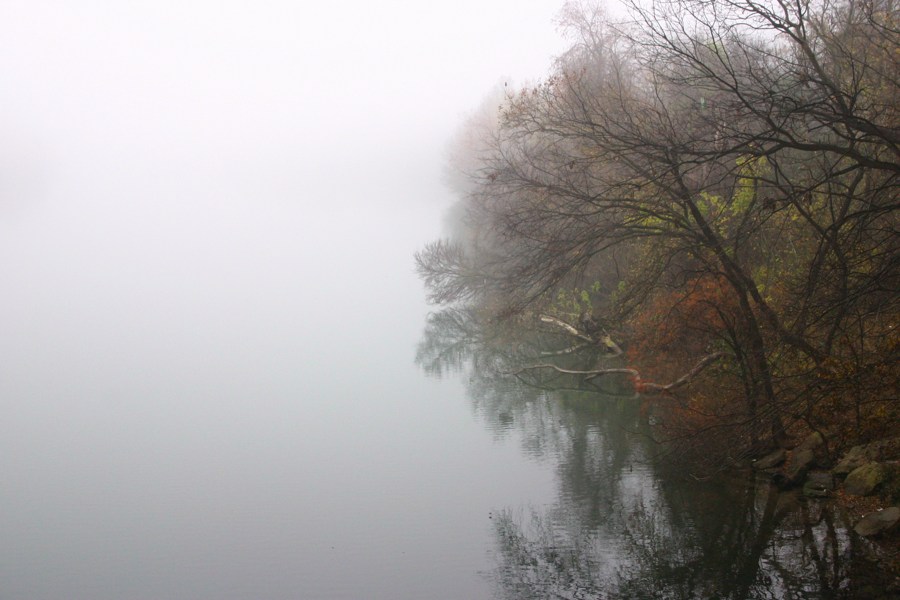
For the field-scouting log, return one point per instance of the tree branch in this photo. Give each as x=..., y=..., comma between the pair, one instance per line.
x=642, y=386
x=569, y=350
x=684, y=379
x=569, y=328
x=606, y=340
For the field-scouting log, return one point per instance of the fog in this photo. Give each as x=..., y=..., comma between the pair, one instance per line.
x=207, y=217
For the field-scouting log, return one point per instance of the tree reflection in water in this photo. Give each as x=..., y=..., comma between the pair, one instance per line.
x=622, y=525
x=690, y=544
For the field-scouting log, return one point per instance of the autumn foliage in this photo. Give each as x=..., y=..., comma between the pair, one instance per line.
x=703, y=179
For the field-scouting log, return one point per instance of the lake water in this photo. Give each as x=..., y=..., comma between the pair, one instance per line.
x=219, y=400
x=209, y=322
x=214, y=400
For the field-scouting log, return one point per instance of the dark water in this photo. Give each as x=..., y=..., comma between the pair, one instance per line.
x=621, y=526
x=627, y=518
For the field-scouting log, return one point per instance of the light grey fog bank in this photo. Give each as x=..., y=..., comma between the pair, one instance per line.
x=208, y=212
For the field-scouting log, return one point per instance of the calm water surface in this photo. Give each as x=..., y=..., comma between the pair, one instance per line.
x=209, y=326
x=221, y=401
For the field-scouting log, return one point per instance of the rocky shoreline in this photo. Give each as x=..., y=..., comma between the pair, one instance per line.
x=866, y=471
x=863, y=483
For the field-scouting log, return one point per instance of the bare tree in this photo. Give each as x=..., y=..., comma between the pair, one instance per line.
x=749, y=146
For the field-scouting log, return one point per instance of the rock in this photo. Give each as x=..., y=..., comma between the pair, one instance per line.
x=878, y=521
x=816, y=441
x=798, y=465
x=863, y=480
x=818, y=484
x=770, y=460
x=857, y=456
x=812, y=441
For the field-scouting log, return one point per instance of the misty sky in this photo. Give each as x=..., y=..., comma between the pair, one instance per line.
x=166, y=166
x=296, y=87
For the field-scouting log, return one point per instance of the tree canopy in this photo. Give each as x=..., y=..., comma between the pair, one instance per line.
x=703, y=181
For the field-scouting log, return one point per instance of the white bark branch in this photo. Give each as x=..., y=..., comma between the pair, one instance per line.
x=606, y=340
x=568, y=350
x=643, y=386
x=686, y=378
x=570, y=328
x=589, y=374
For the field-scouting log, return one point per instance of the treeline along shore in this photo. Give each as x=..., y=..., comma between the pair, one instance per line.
x=700, y=200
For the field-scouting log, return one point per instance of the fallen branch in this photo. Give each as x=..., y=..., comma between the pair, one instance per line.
x=644, y=387
x=684, y=379
x=570, y=328
x=606, y=340
x=568, y=350
x=589, y=374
